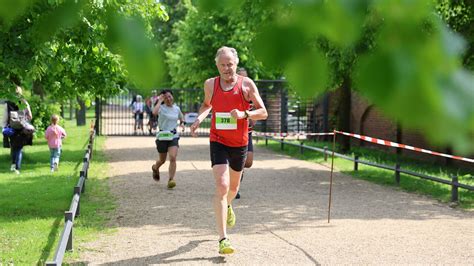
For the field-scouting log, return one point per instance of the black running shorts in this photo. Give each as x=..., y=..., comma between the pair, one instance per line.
x=163, y=145
x=234, y=156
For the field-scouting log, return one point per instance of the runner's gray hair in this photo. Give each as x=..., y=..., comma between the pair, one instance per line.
x=225, y=49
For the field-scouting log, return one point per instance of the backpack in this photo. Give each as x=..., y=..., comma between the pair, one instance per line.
x=17, y=120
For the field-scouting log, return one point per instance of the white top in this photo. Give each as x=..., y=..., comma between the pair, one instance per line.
x=138, y=107
x=168, y=118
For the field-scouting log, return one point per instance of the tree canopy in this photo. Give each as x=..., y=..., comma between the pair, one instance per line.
x=84, y=48
x=400, y=55
x=404, y=56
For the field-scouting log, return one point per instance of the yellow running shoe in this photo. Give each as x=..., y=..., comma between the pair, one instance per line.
x=171, y=184
x=225, y=247
x=230, y=217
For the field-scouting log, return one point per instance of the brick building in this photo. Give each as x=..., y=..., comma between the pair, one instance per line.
x=367, y=119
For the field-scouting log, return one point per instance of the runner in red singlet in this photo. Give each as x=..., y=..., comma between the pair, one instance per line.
x=228, y=95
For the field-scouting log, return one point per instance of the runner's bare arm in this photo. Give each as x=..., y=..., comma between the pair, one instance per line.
x=206, y=104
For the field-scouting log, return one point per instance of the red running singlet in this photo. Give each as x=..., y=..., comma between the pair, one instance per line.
x=223, y=102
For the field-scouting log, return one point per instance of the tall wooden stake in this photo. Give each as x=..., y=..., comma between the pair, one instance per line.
x=332, y=170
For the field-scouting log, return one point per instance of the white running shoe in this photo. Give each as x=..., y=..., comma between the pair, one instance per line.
x=13, y=167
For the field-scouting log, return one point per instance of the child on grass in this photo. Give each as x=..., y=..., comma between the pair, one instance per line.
x=54, y=134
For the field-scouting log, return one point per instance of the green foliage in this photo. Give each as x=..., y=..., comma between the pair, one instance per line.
x=32, y=204
x=191, y=58
x=399, y=54
x=63, y=45
x=42, y=112
x=459, y=16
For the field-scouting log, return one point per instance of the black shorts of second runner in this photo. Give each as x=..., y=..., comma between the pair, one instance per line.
x=163, y=145
x=234, y=156
x=250, y=145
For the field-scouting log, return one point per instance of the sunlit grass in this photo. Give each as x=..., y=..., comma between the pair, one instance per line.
x=32, y=204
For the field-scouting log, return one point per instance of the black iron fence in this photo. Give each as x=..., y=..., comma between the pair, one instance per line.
x=455, y=185
x=65, y=241
x=287, y=111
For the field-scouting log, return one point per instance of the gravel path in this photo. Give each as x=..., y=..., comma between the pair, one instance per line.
x=281, y=217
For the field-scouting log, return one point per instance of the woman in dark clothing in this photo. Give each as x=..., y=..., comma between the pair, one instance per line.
x=20, y=137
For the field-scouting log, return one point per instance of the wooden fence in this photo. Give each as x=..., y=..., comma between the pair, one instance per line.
x=65, y=241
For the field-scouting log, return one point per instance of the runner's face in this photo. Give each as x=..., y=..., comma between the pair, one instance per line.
x=226, y=66
x=168, y=98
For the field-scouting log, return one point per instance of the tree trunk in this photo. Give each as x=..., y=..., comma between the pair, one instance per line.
x=81, y=112
x=71, y=109
x=345, y=113
x=38, y=89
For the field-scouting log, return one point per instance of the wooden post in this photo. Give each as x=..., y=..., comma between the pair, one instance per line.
x=397, y=173
x=356, y=162
x=332, y=170
x=454, y=188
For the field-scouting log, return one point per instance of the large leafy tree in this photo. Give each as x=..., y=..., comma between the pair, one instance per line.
x=80, y=48
x=459, y=16
x=190, y=57
x=398, y=54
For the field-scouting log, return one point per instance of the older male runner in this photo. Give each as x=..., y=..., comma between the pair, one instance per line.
x=228, y=95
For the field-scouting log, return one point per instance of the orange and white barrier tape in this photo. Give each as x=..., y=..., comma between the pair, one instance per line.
x=290, y=134
x=403, y=146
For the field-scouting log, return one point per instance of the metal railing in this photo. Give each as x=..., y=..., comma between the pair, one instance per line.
x=65, y=241
x=455, y=185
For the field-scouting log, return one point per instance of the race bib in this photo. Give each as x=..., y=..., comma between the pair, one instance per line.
x=224, y=121
x=165, y=135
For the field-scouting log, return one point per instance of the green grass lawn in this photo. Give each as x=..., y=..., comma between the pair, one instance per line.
x=408, y=183
x=32, y=204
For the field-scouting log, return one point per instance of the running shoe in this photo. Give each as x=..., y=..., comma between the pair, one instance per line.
x=225, y=247
x=171, y=183
x=156, y=173
x=230, y=217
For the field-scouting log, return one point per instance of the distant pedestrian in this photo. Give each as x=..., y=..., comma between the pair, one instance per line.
x=138, y=107
x=17, y=122
x=55, y=134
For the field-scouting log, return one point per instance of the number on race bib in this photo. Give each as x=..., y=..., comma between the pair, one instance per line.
x=224, y=121
x=165, y=135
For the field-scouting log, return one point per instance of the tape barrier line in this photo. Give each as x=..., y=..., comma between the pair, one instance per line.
x=403, y=146
x=290, y=134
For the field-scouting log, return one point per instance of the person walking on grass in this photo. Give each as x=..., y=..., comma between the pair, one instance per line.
x=228, y=96
x=20, y=135
x=167, y=138
x=55, y=134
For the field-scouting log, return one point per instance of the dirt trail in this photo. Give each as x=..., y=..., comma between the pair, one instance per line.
x=281, y=217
